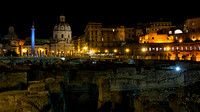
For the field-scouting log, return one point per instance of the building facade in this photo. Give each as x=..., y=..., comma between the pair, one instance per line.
x=175, y=43
x=13, y=42
x=60, y=44
x=99, y=39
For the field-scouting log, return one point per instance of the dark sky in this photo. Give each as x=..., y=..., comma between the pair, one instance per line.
x=78, y=14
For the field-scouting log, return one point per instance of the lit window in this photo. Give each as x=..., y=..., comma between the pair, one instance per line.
x=181, y=48
x=177, y=48
x=150, y=49
x=199, y=48
x=101, y=39
x=153, y=49
x=172, y=48
x=186, y=48
x=168, y=48
x=190, y=48
x=194, y=48
x=170, y=32
x=178, y=31
x=161, y=49
x=156, y=48
x=164, y=48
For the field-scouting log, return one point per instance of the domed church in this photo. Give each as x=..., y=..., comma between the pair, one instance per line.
x=13, y=40
x=61, y=42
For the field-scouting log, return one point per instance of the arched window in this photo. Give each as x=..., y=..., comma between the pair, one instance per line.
x=62, y=35
x=178, y=31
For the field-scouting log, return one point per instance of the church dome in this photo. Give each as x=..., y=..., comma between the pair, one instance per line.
x=11, y=35
x=62, y=26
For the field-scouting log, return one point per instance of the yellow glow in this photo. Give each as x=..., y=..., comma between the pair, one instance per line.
x=23, y=50
x=180, y=40
x=115, y=50
x=127, y=50
x=52, y=51
x=42, y=50
x=106, y=51
x=85, y=48
x=193, y=39
x=143, y=50
x=168, y=48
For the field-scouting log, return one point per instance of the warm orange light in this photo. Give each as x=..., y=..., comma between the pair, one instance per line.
x=85, y=48
x=21, y=42
x=115, y=50
x=180, y=40
x=127, y=50
x=42, y=50
x=106, y=51
x=143, y=50
x=23, y=50
x=168, y=48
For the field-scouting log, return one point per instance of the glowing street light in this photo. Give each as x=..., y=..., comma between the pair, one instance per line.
x=106, y=51
x=168, y=48
x=127, y=50
x=85, y=48
x=143, y=50
x=178, y=68
x=42, y=50
x=23, y=50
x=115, y=50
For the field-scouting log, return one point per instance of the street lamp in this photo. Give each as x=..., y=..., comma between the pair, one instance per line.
x=24, y=51
x=127, y=50
x=168, y=48
x=143, y=50
x=178, y=68
x=115, y=50
x=106, y=51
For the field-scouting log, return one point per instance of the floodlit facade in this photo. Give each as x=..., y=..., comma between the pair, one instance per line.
x=176, y=43
x=103, y=40
x=60, y=44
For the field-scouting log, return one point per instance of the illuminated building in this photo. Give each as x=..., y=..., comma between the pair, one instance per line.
x=42, y=47
x=13, y=40
x=176, y=43
x=99, y=39
x=191, y=27
x=61, y=43
x=156, y=38
x=156, y=26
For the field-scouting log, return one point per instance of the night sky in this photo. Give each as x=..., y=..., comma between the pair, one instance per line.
x=78, y=14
